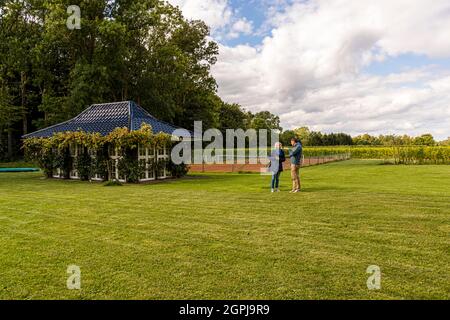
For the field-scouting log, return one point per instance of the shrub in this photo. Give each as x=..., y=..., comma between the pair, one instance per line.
x=113, y=183
x=129, y=166
x=40, y=152
x=160, y=166
x=83, y=165
x=177, y=170
x=63, y=161
x=100, y=164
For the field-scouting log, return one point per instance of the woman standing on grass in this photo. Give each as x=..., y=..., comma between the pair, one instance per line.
x=276, y=166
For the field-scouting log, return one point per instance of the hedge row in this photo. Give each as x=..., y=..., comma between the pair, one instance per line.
x=396, y=154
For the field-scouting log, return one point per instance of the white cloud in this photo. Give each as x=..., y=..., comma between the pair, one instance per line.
x=224, y=21
x=241, y=26
x=216, y=13
x=378, y=105
x=309, y=71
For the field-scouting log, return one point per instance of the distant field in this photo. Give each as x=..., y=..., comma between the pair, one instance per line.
x=393, y=154
x=224, y=236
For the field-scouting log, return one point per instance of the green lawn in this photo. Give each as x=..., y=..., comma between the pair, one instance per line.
x=226, y=237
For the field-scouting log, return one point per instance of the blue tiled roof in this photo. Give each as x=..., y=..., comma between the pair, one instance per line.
x=104, y=118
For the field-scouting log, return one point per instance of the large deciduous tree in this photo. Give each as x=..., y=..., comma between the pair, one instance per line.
x=142, y=50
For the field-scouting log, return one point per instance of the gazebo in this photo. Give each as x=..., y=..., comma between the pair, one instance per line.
x=102, y=120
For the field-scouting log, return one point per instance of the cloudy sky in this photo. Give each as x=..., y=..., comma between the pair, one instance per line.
x=357, y=66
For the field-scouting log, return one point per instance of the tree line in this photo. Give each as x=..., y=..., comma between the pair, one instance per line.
x=141, y=50
x=317, y=138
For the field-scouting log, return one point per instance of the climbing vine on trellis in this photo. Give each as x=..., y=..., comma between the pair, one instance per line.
x=93, y=158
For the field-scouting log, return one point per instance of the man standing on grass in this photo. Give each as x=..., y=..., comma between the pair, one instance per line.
x=296, y=161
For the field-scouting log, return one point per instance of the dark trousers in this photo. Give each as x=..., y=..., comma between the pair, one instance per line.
x=276, y=179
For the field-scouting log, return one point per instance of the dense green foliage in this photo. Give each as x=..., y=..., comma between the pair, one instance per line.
x=129, y=166
x=131, y=50
x=84, y=165
x=445, y=142
x=393, y=140
x=224, y=236
x=315, y=138
x=177, y=171
x=93, y=158
x=141, y=50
